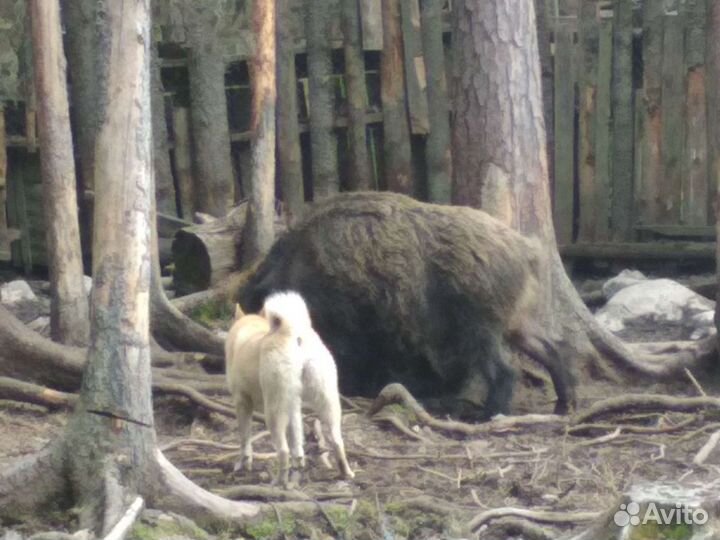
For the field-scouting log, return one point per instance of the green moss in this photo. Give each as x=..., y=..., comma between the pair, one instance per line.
x=402, y=412
x=655, y=531
x=409, y=521
x=213, y=313
x=270, y=528
x=165, y=528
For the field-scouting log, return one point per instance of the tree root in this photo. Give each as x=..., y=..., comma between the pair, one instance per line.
x=194, y=396
x=397, y=393
x=534, y=515
x=512, y=527
x=123, y=526
x=644, y=402
x=25, y=392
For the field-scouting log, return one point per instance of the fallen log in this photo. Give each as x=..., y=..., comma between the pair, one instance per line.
x=204, y=254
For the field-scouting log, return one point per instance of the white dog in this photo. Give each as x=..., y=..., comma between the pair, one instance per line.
x=275, y=362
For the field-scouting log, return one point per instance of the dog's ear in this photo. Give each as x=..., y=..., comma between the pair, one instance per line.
x=238, y=312
x=274, y=323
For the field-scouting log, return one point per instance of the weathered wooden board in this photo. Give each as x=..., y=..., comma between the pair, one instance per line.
x=588, y=68
x=673, y=118
x=182, y=162
x=414, y=64
x=695, y=164
x=564, y=122
x=371, y=19
x=603, y=164
x=621, y=214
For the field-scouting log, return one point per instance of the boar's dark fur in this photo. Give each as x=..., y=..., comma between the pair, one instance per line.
x=423, y=294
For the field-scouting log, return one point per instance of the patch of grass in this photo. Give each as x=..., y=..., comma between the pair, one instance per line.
x=655, y=531
x=164, y=528
x=270, y=528
x=214, y=313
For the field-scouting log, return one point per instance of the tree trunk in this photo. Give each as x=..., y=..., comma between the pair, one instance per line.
x=288, y=133
x=261, y=208
x=208, y=112
x=111, y=434
x=501, y=165
x=437, y=149
x=164, y=185
x=357, y=98
x=69, y=304
x=712, y=60
x=397, y=152
x=80, y=20
x=323, y=142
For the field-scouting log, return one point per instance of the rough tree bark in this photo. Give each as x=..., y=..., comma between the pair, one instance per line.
x=712, y=60
x=501, y=166
x=323, y=142
x=208, y=109
x=397, y=153
x=261, y=204
x=288, y=132
x=437, y=149
x=114, y=416
x=357, y=98
x=69, y=303
x=81, y=39
x=164, y=186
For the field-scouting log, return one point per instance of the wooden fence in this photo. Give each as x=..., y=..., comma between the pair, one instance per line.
x=630, y=153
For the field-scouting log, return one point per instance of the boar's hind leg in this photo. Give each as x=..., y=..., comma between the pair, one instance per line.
x=530, y=340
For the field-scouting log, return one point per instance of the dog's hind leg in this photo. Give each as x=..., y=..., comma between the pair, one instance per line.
x=243, y=410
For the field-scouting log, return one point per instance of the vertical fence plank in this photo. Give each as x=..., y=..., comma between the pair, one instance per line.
x=695, y=157
x=647, y=202
x=588, y=34
x=183, y=162
x=621, y=215
x=414, y=63
x=564, y=122
x=603, y=165
x=673, y=117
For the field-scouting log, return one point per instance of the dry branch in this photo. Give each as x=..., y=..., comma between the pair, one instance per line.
x=707, y=449
x=122, y=527
x=26, y=392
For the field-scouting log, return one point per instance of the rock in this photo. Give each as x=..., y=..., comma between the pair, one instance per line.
x=87, y=283
x=622, y=280
x=11, y=535
x=41, y=325
x=15, y=292
x=655, y=310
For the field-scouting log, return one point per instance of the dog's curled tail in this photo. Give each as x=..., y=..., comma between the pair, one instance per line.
x=286, y=311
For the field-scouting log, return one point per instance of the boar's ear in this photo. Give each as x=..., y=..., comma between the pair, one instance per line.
x=238, y=312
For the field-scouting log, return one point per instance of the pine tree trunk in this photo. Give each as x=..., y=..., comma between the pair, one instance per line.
x=214, y=176
x=69, y=304
x=323, y=142
x=261, y=209
x=164, y=185
x=437, y=149
x=357, y=98
x=288, y=133
x=80, y=19
x=397, y=153
x=712, y=60
x=111, y=435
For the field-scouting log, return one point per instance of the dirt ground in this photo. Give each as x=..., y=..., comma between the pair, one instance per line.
x=414, y=482
x=419, y=483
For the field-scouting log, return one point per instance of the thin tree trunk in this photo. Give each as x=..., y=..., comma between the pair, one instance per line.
x=114, y=416
x=69, y=304
x=288, y=133
x=397, y=152
x=164, y=185
x=208, y=113
x=261, y=209
x=437, y=149
x=357, y=98
x=323, y=142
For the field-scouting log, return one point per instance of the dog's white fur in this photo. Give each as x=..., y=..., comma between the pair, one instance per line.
x=275, y=362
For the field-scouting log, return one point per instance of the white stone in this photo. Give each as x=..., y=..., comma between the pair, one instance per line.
x=16, y=291
x=622, y=280
x=657, y=304
x=87, y=283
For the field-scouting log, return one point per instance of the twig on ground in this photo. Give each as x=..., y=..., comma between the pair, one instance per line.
x=707, y=449
x=695, y=382
x=512, y=526
x=600, y=440
x=631, y=428
x=122, y=527
x=436, y=473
